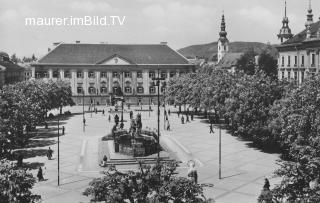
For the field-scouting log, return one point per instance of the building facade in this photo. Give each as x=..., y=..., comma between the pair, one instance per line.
x=299, y=55
x=97, y=72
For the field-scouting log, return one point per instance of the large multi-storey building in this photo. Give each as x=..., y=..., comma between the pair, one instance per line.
x=299, y=54
x=97, y=71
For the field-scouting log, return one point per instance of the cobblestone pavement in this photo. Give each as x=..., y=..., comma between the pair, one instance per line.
x=243, y=167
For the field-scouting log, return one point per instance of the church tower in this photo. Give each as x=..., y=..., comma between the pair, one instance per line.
x=309, y=16
x=285, y=31
x=223, y=42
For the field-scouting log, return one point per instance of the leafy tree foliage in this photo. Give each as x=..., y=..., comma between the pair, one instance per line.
x=157, y=183
x=297, y=124
x=248, y=106
x=24, y=105
x=268, y=64
x=16, y=184
x=246, y=63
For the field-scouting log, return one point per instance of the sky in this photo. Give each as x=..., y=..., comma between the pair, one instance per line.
x=179, y=22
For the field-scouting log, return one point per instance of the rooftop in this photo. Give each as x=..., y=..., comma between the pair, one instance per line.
x=97, y=53
x=302, y=36
x=229, y=60
x=11, y=67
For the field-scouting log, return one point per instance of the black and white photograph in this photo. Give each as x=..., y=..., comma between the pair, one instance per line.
x=160, y=101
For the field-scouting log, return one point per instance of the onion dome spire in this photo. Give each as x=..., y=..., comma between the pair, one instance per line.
x=285, y=31
x=309, y=16
x=223, y=32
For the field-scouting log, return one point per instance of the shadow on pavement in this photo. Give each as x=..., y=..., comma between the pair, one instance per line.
x=30, y=153
x=40, y=143
x=32, y=165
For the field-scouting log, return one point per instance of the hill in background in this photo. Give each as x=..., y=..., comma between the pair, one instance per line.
x=208, y=51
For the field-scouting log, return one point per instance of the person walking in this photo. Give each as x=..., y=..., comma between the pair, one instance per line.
x=109, y=119
x=102, y=111
x=191, y=116
x=168, y=125
x=49, y=153
x=40, y=174
x=187, y=121
x=211, y=128
x=192, y=172
x=169, y=112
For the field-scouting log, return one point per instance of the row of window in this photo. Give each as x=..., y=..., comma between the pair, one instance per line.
x=313, y=60
x=92, y=74
x=104, y=90
x=295, y=75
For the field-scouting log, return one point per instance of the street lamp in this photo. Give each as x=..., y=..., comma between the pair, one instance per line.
x=220, y=121
x=83, y=118
x=158, y=79
x=58, y=150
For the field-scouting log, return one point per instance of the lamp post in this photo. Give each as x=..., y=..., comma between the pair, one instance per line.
x=220, y=121
x=58, y=150
x=83, y=119
x=158, y=79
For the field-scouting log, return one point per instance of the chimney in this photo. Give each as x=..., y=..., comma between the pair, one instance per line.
x=49, y=49
x=163, y=43
x=78, y=42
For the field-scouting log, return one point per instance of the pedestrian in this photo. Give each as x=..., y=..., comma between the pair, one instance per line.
x=49, y=153
x=102, y=111
x=191, y=116
x=169, y=112
x=63, y=130
x=168, y=125
x=109, y=119
x=40, y=174
x=104, y=161
x=211, y=128
x=192, y=172
x=167, y=117
x=182, y=119
x=187, y=120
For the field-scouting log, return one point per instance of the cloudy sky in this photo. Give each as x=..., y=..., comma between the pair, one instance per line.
x=179, y=22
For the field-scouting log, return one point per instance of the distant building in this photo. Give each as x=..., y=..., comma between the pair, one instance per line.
x=225, y=60
x=97, y=72
x=9, y=72
x=299, y=55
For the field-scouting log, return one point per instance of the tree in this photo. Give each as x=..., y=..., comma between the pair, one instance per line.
x=24, y=105
x=248, y=107
x=15, y=59
x=246, y=63
x=268, y=64
x=296, y=123
x=33, y=57
x=16, y=184
x=157, y=183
